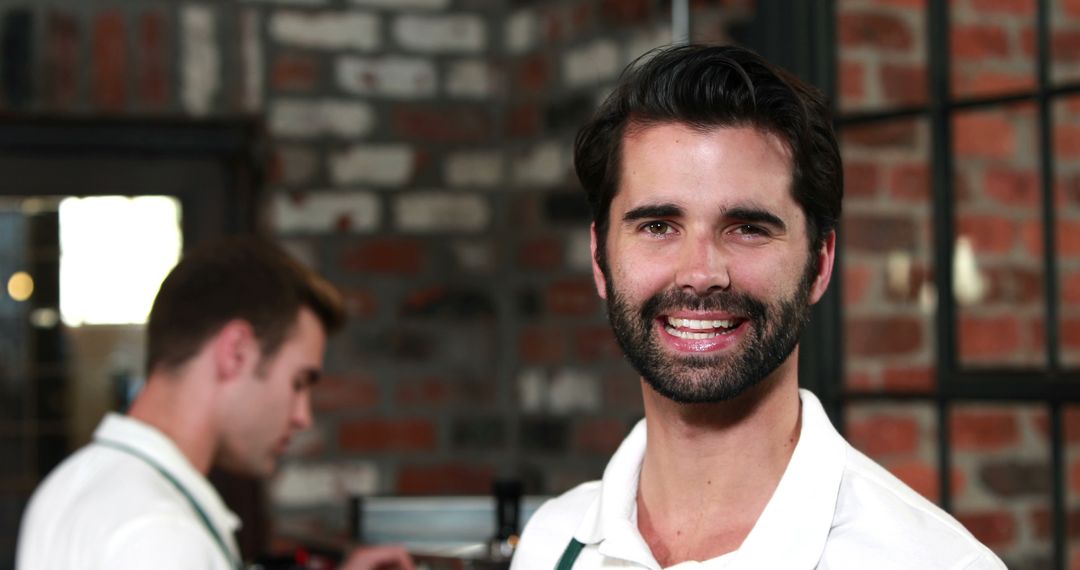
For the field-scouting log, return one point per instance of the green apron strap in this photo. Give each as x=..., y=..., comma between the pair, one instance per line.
x=187, y=495
x=570, y=555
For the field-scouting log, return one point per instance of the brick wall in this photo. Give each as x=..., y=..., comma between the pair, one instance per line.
x=1001, y=469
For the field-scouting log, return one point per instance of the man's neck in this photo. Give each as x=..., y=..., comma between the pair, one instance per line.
x=179, y=408
x=710, y=469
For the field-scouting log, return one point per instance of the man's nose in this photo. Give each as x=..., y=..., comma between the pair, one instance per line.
x=302, y=416
x=702, y=266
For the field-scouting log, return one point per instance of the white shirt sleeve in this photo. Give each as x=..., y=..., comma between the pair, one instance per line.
x=162, y=542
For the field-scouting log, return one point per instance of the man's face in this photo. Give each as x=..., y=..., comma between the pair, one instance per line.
x=274, y=401
x=710, y=278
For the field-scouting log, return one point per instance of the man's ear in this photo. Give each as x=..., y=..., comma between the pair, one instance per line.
x=825, y=258
x=235, y=350
x=597, y=274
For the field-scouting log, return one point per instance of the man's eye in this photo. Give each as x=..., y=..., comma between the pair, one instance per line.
x=752, y=230
x=657, y=228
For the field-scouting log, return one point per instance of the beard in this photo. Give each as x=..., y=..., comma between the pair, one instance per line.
x=772, y=333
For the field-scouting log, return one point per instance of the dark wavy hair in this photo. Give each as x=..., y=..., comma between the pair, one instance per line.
x=243, y=277
x=709, y=87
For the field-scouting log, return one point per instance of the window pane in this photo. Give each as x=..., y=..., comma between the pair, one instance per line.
x=888, y=282
x=991, y=48
x=882, y=58
x=1066, y=119
x=1003, y=487
x=998, y=268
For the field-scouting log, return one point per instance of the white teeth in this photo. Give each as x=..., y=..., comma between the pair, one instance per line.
x=691, y=335
x=700, y=325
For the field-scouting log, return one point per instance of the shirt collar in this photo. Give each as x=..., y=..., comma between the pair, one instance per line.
x=156, y=446
x=791, y=531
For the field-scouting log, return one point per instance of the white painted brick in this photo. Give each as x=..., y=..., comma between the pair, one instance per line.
x=472, y=79
x=403, y=4
x=306, y=484
x=320, y=117
x=532, y=390
x=474, y=169
x=543, y=165
x=574, y=390
x=251, y=56
x=288, y=2
x=645, y=40
x=592, y=63
x=457, y=33
x=323, y=30
x=578, y=253
x=385, y=165
x=200, y=73
x=521, y=32
x=440, y=212
x=325, y=211
x=391, y=76
x=475, y=257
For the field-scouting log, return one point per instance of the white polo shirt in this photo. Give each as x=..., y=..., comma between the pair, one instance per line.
x=104, y=508
x=834, y=508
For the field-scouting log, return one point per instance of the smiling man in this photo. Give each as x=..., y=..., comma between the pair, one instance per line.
x=235, y=341
x=715, y=185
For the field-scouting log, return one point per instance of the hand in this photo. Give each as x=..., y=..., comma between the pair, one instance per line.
x=378, y=557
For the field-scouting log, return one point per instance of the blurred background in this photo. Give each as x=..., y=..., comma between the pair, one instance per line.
x=417, y=152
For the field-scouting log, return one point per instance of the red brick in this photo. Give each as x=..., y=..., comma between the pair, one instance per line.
x=622, y=389
x=626, y=11
x=1031, y=233
x=542, y=345
x=988, y=337
x=909, y=379
x=533, y=74
x=396, y=435
x=595, y=343
x=446, y=479
x=1068, y=238
x=983, y=136
x=110, y=61
x=979, y=43
x=852, y=82
x=1021, y=7
x=884, y=434
x=442, y=123
x=154, y=57
x=989, y=234
x=984, y=83
x=879, y=233
x=424, y=392
x=334, y=393
x=1071, y=7
x=861, y=179
x=541, y=253
x=1011, y=187
x=572, y=297
x=858, y=279
x=860, y=381
x=883, y=336
x=994, y=529
x=1070, y=288
x=1070, y=333
x=893, y=134
x=523, y=120
x=599, y=436
x=62, y=61
x=910, y=182
x=1043, y=524
x=984, y=430
x=882, y=32
x=919, y=475
x=1064, y=45
x=389, y=256
x=359, y=302
x=1067, y=141
x=294, y=72
x=904, y=84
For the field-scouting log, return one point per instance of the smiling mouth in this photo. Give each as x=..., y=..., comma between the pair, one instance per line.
x=694, y=329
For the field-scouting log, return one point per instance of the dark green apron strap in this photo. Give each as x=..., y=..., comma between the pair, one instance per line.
x=569, y=556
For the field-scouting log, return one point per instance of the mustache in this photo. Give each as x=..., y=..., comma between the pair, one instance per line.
x=728, y=301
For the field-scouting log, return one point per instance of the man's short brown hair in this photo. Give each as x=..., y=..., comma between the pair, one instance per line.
x=244, y=277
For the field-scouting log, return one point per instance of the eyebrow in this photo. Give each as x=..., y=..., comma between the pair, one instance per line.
x=757, y=216
x=652, y=211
